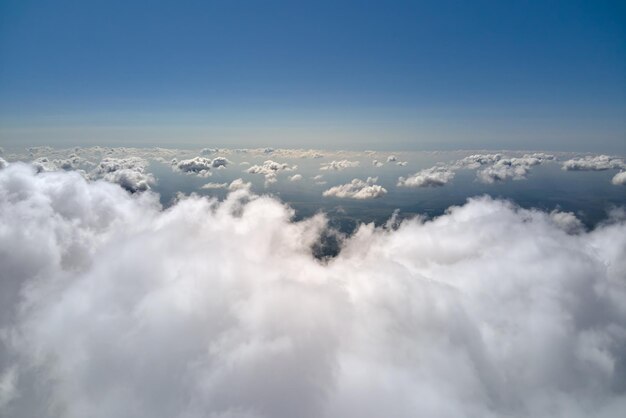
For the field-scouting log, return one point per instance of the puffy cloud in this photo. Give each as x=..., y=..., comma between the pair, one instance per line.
x=270, y=169
x=42, y=164
x=377, y=163
x=72, y=162
x=130, y=173
x=429, y=177
x=392, y=158
x=567, y=221
x=511, y=168
x=357, y=189
x=115, y=307
x=3, y=163
x=594, y=163
x=319, y=179
x=491, y=167
x=339, y=165
x=503, y=170
x=219, y=162
x=239, y=184
x=478, y=160
x=200, y=166
x=619, y=179
x=295, y=177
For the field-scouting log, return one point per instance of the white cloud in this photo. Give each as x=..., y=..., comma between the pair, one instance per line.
x=377, y=163
x=503, y=170
x=219, y=162
x=130, y=173
x=594, y=163
x=475, y=161
x=357, y=189
x=392, y=158
x=115, y=307
x=619, y=179
x=567, y=221
x=295, y=177
x=515, y=168
x=339, y=165
x=429, y=177
x=239, y=184
x=199, y=166
x=270, y=169
x=214, y=186
x=3, y=163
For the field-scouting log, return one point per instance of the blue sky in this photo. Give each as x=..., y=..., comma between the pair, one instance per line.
x=396, y=75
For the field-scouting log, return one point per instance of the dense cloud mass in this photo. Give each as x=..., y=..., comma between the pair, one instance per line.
x=130, y=173
x=357, y=189
x=114, y=307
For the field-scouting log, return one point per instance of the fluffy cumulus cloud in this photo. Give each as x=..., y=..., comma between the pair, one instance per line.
x=490, y=168
x=594, y=163
x=239, y=184
x=200, y=166
x=504, y=169
x=113, y=307
x=295, y=177
x=619, y=179
x=130, y=173
x=496, y=167
x=429, y=177
x=357, y=189
x=270, y=169
x=339, y=165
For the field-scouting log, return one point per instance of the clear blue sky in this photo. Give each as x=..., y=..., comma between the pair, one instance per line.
x=383, y=74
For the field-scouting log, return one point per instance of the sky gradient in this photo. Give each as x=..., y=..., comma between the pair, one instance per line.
x=400, y=75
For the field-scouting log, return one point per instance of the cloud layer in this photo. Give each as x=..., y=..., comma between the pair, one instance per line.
x=112, y=306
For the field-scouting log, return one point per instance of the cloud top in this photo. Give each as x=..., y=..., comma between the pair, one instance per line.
x=115, y=307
